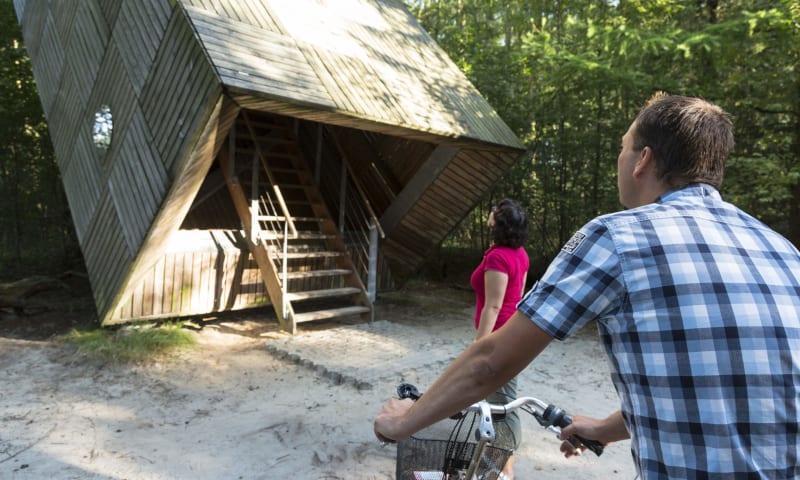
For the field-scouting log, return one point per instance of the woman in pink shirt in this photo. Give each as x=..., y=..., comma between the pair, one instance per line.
x=499, y=282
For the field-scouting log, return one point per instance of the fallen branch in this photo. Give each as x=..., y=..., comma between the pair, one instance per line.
x=17, y=295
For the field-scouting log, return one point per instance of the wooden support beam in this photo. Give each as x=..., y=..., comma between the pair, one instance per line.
x=425, y=176
x=268, y=272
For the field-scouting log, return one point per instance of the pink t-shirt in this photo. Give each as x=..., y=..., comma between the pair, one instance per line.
x=514, y=263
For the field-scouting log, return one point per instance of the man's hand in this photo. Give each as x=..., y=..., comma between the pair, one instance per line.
x=583, y=426
x=388, y=423
x=605, y=431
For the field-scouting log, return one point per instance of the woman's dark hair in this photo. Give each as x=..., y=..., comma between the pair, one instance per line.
x=510, y=224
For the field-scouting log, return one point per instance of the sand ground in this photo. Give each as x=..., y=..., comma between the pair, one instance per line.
x=250, y=402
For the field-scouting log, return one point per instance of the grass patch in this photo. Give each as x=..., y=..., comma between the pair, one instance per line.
x=131, y=344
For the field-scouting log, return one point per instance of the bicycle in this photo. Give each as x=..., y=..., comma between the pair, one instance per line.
x=445, y=451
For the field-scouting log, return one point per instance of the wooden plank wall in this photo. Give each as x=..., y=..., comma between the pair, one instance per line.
x=19, y=7
x=139, y=183
x=215, y=274
x=139, y=30
x=50, y=57
x=83, y=184
x=105, y=253
x=142, y=60
x=175, y=98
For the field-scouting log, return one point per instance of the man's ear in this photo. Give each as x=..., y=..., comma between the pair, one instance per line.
x=645, y=162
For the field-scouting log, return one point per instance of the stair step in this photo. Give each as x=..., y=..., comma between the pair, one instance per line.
x=265, y=235
x=319, y=254
x=331, y=292
x=273, y=218
x=332, y=313
x=316, y=273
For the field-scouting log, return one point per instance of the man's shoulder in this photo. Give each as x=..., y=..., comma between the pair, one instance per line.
x=611, y=221
x=653, y=212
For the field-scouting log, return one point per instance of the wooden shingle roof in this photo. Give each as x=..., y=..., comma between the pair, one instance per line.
x=365, y=63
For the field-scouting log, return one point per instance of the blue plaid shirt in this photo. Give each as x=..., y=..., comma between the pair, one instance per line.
x=698, y=307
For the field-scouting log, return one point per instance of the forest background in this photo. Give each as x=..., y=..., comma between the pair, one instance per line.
x=567, y=76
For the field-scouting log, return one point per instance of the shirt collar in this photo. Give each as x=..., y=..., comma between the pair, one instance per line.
x=693, y=189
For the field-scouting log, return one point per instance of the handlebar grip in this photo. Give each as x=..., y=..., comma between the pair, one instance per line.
x=593, y=445
x=556, y=416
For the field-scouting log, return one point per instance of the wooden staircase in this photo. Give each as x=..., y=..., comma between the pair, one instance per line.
x=303, y=259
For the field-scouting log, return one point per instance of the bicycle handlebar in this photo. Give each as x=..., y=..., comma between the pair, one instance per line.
x=549, y=416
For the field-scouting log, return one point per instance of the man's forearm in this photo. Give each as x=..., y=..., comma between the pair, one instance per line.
x=614, y=428
x=479, y=371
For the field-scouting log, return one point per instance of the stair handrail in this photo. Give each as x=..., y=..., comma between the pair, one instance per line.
x=357, y=183
x=284, y=268
x=280, y=242
x=270, y=177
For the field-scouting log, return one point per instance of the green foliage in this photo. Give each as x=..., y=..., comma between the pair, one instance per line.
x=568, y=77
x=130, y=344
x=762, y=185
x=36, y=233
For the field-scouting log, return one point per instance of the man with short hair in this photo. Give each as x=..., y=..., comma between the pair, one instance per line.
x=697, y=304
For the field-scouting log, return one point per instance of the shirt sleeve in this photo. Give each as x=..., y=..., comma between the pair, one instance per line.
x=496, y=260
x=583, y=283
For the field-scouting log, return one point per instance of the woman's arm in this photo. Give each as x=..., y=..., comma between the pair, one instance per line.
x=495, y=283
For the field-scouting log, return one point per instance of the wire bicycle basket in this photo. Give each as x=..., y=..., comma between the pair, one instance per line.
x=445, y=450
